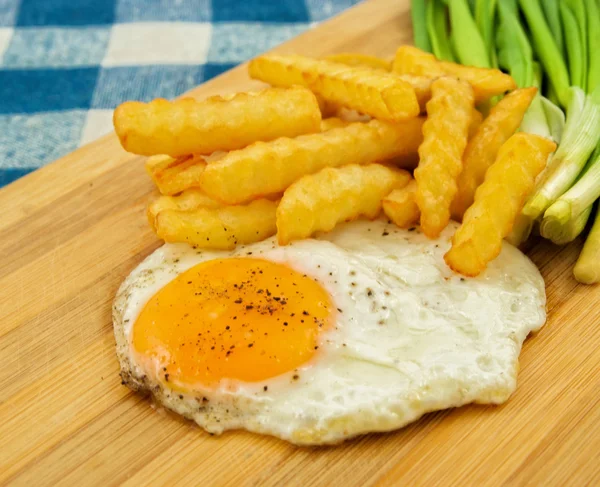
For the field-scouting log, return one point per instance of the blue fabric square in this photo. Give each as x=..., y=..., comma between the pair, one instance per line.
x=32, y=90
x=143, y=83
x=28, y=141
x=56, y=47
x=7, y=176
x=65, y=12
x=163, y=10
x=213, y=69
x=8, y=12
x=260, y=11
x=238, y=42
x=320, y=10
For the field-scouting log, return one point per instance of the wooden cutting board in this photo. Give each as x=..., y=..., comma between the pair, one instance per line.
x=72, y=231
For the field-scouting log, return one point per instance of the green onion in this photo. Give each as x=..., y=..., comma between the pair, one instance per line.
x=485, y=13
x=578, y=9
x=563, y=234
x=521, y=230
x=466, y=39
x=581, y=195
x=546, y=49
x=514, y=51
x=593, y=15
x=437, y=27
x=575, y=43
x=419, y=24
x=552, y=13
x=579, y=140
x=555, y=118
x=587, y=268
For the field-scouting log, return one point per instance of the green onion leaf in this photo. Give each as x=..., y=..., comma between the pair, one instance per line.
x=575, y=43
x=552, y=13
x=593, y=15
x=579, y=11
x=485, y=16
x=546, y=49
x=419, y=24
x=465, y=37
x=437, y=27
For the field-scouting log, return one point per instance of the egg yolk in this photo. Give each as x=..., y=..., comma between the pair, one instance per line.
x=239, y=318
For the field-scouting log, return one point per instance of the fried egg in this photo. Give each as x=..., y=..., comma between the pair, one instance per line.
x=358, y=330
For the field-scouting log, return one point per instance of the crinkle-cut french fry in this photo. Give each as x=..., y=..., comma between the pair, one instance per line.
x=189, y=126
x=445, y=136
x=218, y=228
x=265, y=168
x=497, y=203
x=190, y=199
x=379, y=94
x=333, y=123
x=173, y=175
x=327, y=108
x=363, y=60
x=318, y=202
x=476, y=121
x=504, y=119
x=486, y=82
x=401, y=207
x=422, y=87
x=158, y=163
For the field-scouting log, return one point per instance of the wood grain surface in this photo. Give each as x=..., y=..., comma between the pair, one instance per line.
x=72, y=231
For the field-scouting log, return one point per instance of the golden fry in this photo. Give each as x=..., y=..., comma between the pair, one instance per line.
x=497, y=203
x=190, y=199
x=376, y=93
x=218, y=228
x=333, y=123
x=401, y=207
x=476, y=121
x=327, y=108
x=445, y=136
x=486, y=82
x=318, y=202
x=504, y=119
x=422, y=87
x=172, y=176
x=363, y=60
x=189, y=126
x=266, y=168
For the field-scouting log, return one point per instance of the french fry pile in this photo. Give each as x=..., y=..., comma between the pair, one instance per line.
x=238, y=169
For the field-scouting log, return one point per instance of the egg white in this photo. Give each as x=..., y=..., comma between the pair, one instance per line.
x=411, y=337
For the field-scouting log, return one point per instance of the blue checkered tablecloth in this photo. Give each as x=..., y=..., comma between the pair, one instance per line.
x=66, y=64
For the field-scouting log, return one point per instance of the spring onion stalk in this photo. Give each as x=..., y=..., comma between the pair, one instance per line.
x=485, y=13
x=581, y=195
x=555, y=118
x=465, y=37
x=437, y=28
x=593, y=16
x=563, y=234
x=419, y=23
x=574, y=43
x=587, y=268
x=552, y=14
x=546, y=49
x=579, y=140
